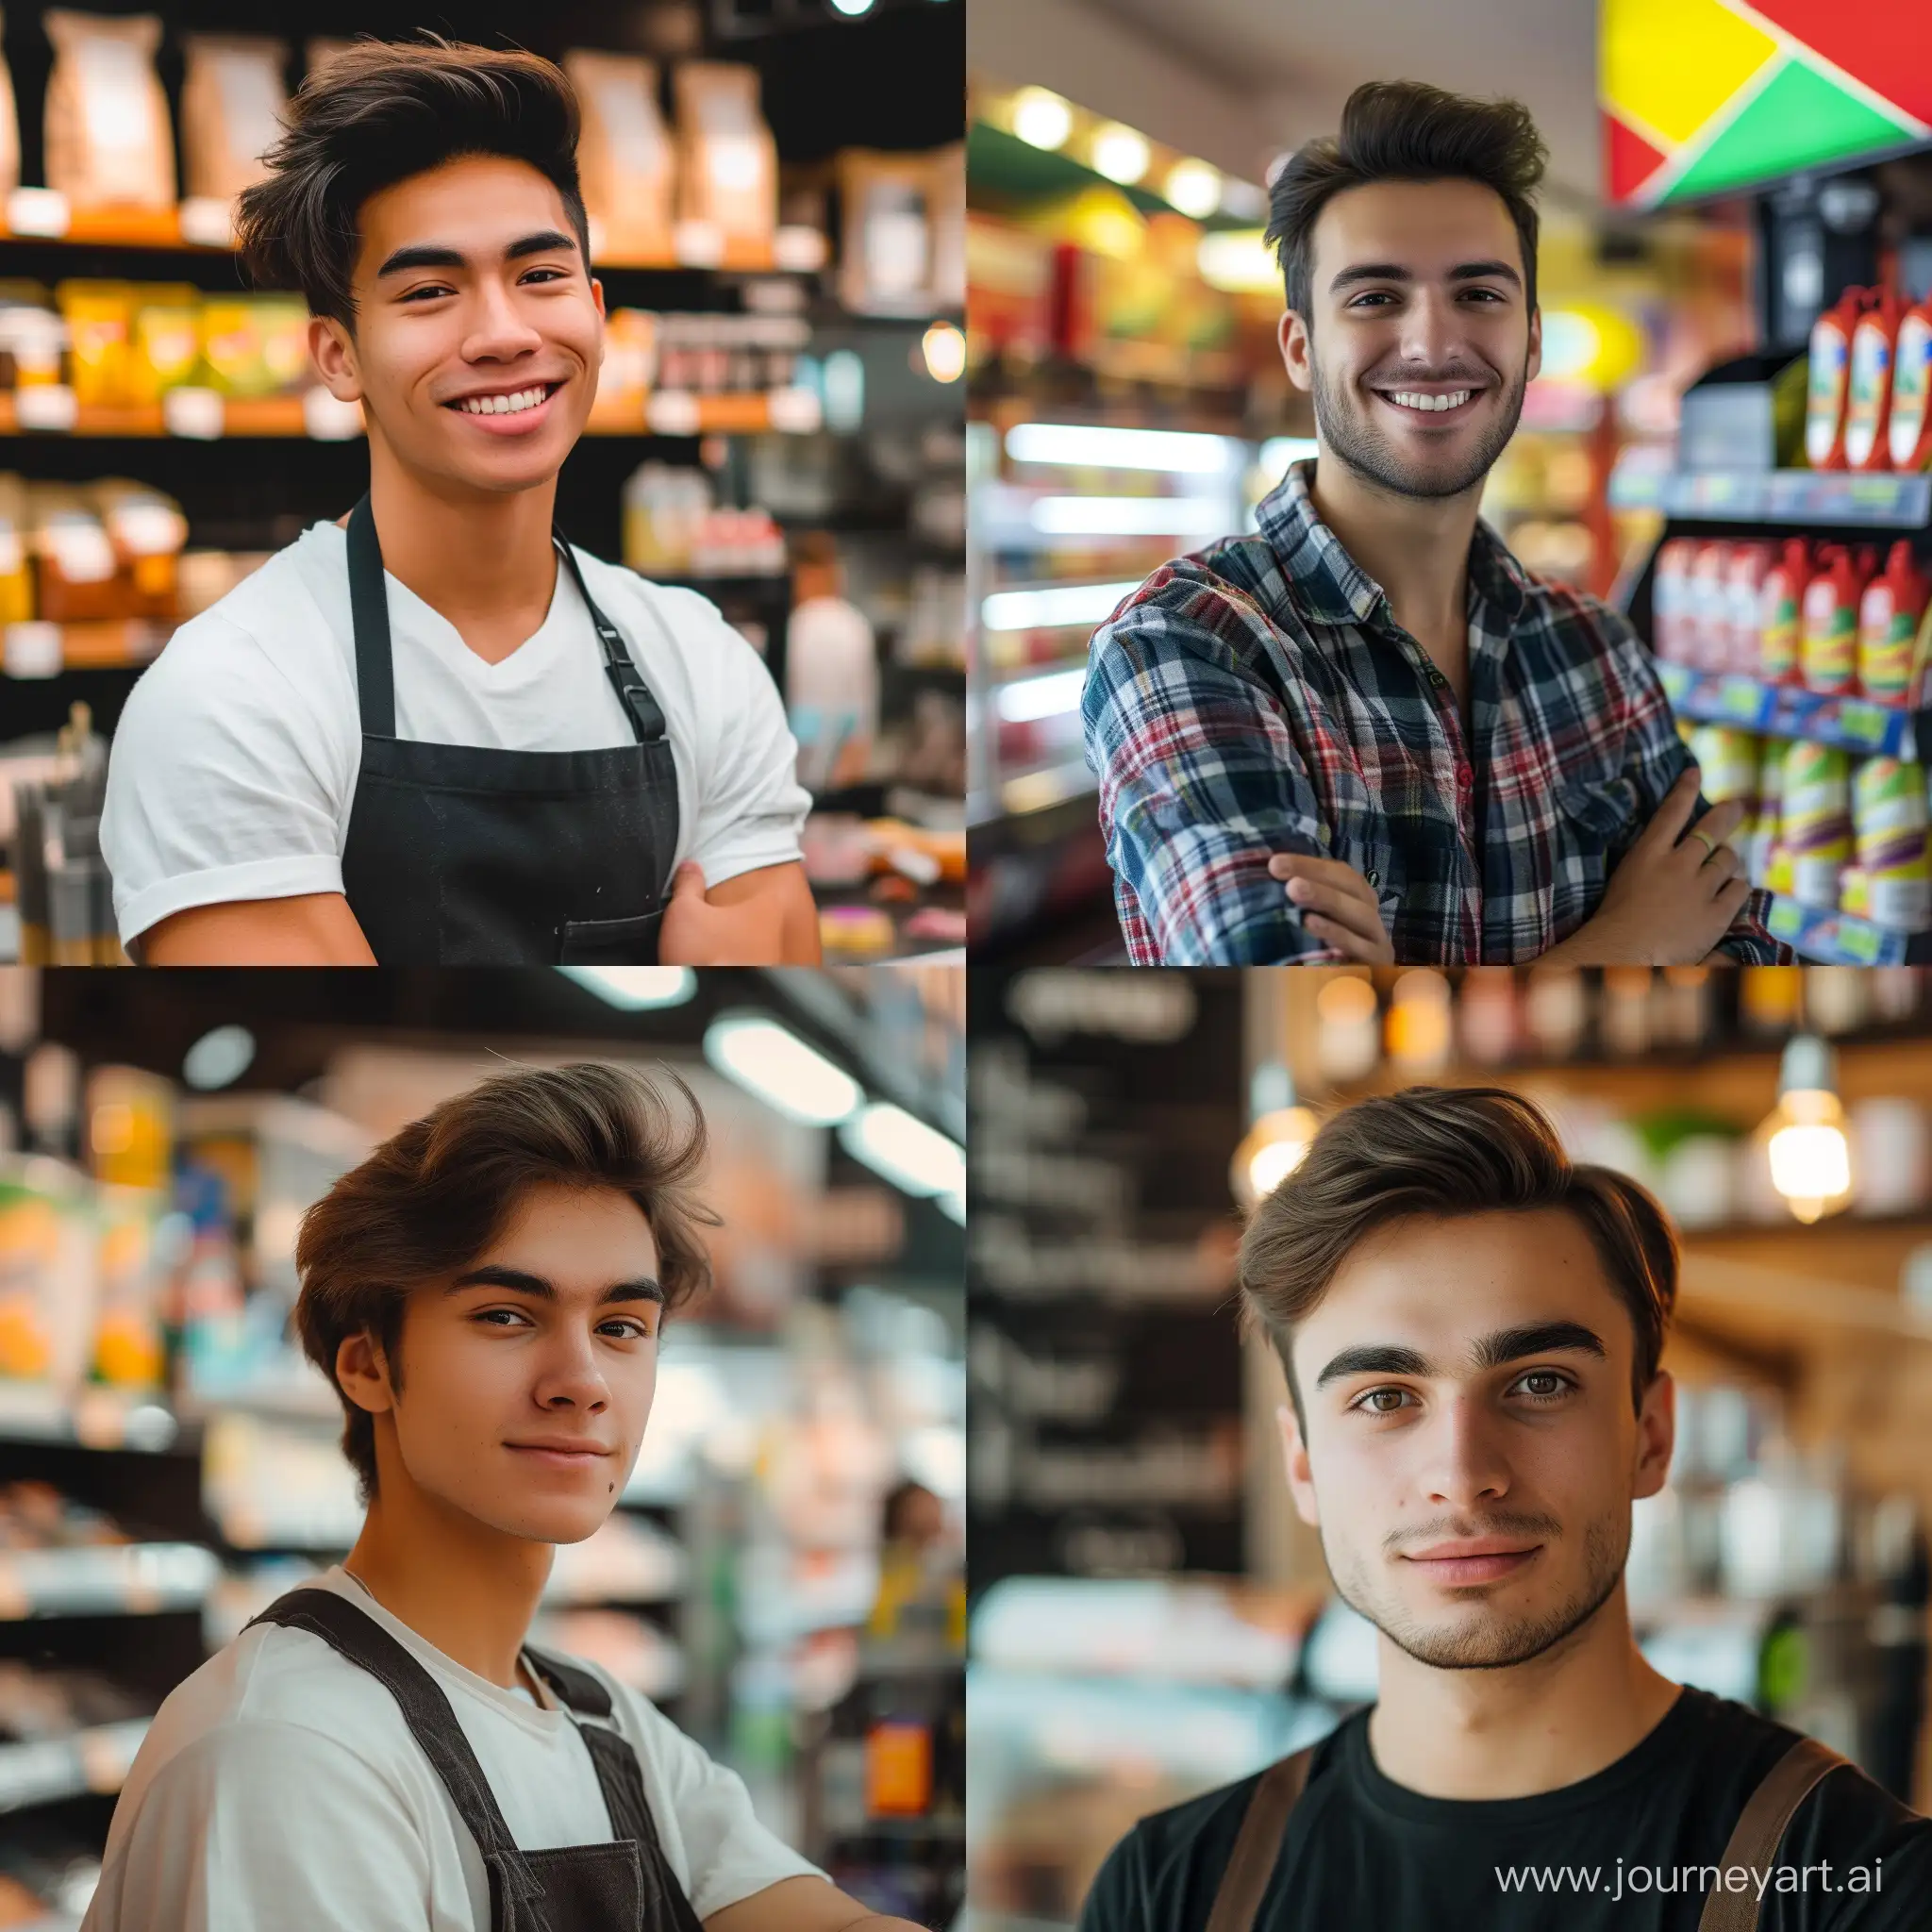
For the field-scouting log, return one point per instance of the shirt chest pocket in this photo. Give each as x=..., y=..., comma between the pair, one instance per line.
x=1594, y=820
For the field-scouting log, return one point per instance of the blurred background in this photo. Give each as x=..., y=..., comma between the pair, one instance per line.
x=776, y=200
x=1723, y=181
x=784, y=1576
x=1150, y=1619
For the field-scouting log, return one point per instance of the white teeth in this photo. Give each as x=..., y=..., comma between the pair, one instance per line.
x=502, y=406
x=1409, y=399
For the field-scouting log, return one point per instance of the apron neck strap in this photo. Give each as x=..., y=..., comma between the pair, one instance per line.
x=641, y=707
x=375, y=678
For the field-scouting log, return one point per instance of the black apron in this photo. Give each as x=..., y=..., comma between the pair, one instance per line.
x=623, y=1884
x=459, y=855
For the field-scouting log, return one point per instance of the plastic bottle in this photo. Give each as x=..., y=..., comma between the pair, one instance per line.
x=1868, y=401
x=1817, y=821
x=1710, y=608
x=1743, y=589
x=1830, y=647
x=1909, y=430
x=1780, y=608
x=1888, y=828
x=1830, y=380
x=1890, y=614
x=1668, y=601
x=1762, y=831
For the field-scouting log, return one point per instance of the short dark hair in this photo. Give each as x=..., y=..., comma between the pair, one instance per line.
x=1406, y=130
x=374, y=114
x=1447, y=1152
x=434, y=1196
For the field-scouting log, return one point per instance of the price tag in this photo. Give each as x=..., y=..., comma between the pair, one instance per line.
x=796, y=412
x=198, y=413
x=207, y=221
x=1859, y=941
x=328, y=418
x=698, y=244
x=672, y=412
x=1739, y=700
x=46, y=405
x=33, y=649
x=1864, y=724
x=800, y=250
x=37, y=211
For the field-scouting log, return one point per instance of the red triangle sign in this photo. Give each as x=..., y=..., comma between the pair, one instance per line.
x=1885, y=44
x=1629, y=160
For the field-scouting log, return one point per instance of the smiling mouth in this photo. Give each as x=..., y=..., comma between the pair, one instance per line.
x=1427, y=403
x=514, y=404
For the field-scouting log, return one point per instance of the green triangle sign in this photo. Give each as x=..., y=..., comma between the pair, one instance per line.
x=1800, y=119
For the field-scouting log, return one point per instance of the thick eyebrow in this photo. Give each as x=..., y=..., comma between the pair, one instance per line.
x=1489, y=1351
x=1394, y=271
x=436, y=255
x=642, y=1290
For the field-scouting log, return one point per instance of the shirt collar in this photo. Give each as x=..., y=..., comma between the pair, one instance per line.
x=1331, y=588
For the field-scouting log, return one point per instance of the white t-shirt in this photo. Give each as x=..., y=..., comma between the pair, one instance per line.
x=234, y=769
x=280, y=1787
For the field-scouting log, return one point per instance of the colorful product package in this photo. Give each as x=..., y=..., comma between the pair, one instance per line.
x=16, y=573
x=1816, y=826
x=1726, y=762
x=1668, y=598
x=728, y=161
x=76, y=576
x=232, y=101
x=1830, y=644
x=1830, y=381
x=1890, y=615
x=1888, y=828
x=1909, y=429
x=148, y=533
x=1868, y=400
x=108, y=140
x=254, y=345
x=164, y=339
x=624, y=157
x=100, y=326
x=1750, y=564
x=1780, y=610
x=886, y=255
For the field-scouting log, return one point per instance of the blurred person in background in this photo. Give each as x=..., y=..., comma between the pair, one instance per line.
x=1470, y=1327
x=1366, y=732
x=381, y=1751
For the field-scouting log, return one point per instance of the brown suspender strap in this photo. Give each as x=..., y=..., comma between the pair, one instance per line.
x=1259, y=1844
x=1760, y=1827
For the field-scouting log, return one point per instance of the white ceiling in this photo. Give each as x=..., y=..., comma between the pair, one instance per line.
x=1283, y=68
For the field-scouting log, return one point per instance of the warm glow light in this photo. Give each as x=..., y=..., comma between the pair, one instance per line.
x=1041, y=119
x=1238, y=262
x=1193, y=188
x=1274, y=1147
x=945, y=352
x=1803, y=1136
x=1121, y=155
x=1810, y=1164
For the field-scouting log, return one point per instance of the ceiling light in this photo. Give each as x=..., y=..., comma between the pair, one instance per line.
x=633, y=988
x=771, y=1062
x=1121, y=155
x=1102, y=446
x=1805, y=1134
x=1272, y=1148
x=219, y=1059
x=1129, y=516
x=916, y=1158
x=1034, y=698
x=1063, y=603
x=1193, y=188
x=944, y=348
x=1041, y=119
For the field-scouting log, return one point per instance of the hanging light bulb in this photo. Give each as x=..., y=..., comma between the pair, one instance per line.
x=1803, y=1136
x=1275, y=1145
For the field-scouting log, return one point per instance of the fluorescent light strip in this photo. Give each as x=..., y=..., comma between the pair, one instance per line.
x=634, y=988
x=1280, y=451
x=1062, y=603
x=1129, y=516
x=1052, y=696
x=1100, y=446
x=771, y=1062
x=916, y=1158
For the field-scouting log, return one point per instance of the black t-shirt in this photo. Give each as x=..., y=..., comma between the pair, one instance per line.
x=1361, y=1850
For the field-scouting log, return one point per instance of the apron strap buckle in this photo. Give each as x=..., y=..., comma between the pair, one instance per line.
x=640, y=705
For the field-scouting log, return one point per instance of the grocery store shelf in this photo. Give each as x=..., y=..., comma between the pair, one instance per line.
x=1045, y=786
x=89, y=1417
x=45, y=1771
x=40, y=649
x=1880, y=499
x=104, y=1579
x=1842, y=939
x=1779, y=710
x=1778, y=1307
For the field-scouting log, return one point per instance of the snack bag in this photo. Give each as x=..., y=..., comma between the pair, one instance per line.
x=231, y=107
x=108, y=140
x=624, y=159
x=727, y=160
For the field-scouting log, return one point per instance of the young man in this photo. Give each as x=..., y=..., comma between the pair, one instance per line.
x=1366, y=732
x=1470, y=1327
x=431, y=731
x=381, y=1752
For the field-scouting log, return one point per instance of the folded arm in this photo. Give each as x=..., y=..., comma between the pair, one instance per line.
x=804, y=1905
x=309, y=929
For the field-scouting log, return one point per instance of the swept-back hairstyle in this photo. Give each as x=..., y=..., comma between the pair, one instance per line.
x=434, y=1196
x=378, y=112
x=1447, y=1152
x=1406, y=130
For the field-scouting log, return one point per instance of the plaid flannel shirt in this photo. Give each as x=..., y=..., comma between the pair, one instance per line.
x=1258, y=697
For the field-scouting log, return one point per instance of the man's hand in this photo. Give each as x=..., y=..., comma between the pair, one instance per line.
x=760, y=918
x=1673, y=896
x=1339, y=906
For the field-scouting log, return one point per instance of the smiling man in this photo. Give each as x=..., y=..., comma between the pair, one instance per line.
x=432, y=732
x=1470, y=1327
x=382, y=1751
x=1366, y=732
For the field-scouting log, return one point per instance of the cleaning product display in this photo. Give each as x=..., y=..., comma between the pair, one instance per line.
x=169, y=1463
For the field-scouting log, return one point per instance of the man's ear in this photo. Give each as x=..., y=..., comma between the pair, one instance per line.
x=1657, y=1435
x=1534, y=367
x=363, y=1375
x=1294, y=1457
x=333, y=352
x=1292, y=332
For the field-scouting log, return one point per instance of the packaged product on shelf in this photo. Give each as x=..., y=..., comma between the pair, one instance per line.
x=1829, y=652
x=1761, y=832
x=1888, y=827
x=1710, y=608
x=76, y=574
x=662, y=507
x=831, y=692
x=1668, y=600
x=886, y=257
x=164, y=339
x=631, y=359
x=127, y=1332
x=46, y=1274
x=1830, y=381
x=1909, y=429
x=1816, y=827
x=254, y=345
x=33, y=336
x=623, y=155
x=1780, y=611
x=108, y=140
x=1744, y=593
x=231, y=107
x=1726, y=761
x=148, y=532
x=1890, y=616
x=100, y=323
x=728, y=161
x=1875, y=347
x=10, y=126
x=16, y=577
